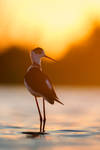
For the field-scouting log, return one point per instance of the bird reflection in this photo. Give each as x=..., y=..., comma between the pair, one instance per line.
x=34, y=135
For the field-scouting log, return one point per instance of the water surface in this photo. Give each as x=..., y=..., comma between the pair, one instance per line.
x=74, y=126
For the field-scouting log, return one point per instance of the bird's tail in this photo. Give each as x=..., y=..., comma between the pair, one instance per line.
x=59, y=101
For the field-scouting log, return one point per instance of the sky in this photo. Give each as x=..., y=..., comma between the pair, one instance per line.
x=51, y=24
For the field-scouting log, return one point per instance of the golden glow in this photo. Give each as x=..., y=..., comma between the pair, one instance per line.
x=51, y=24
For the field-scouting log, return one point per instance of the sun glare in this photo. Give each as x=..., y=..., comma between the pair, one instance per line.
x=53, y=24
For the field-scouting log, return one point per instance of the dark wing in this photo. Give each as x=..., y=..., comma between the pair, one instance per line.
x=40, y=83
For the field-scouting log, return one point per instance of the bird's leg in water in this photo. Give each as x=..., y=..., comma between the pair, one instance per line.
x=39, y=114
x=44, y=115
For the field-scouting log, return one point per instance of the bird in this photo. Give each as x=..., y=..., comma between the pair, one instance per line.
x=39, y=84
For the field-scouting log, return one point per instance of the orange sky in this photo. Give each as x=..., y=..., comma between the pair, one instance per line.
x=51, y=24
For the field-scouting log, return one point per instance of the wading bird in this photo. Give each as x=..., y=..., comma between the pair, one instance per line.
x=38, y=83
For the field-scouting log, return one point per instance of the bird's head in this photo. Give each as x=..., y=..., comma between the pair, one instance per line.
x=36, y=55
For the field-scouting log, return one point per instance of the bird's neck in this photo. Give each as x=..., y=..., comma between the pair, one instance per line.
x=37, y=65
x=36, y=61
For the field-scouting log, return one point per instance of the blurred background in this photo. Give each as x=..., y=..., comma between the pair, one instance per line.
x=68, y=31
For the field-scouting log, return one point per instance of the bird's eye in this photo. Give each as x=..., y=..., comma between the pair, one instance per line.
x=38, y=51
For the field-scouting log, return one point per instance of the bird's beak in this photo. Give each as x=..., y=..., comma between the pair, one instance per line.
x=50, y=58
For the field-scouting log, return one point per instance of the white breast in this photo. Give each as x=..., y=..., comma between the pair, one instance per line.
x=29, y=68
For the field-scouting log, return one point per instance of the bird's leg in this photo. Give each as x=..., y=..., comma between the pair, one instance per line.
x=39, y=114
x=44, y=115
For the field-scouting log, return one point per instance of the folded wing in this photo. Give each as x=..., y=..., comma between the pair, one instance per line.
x=40, y=83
